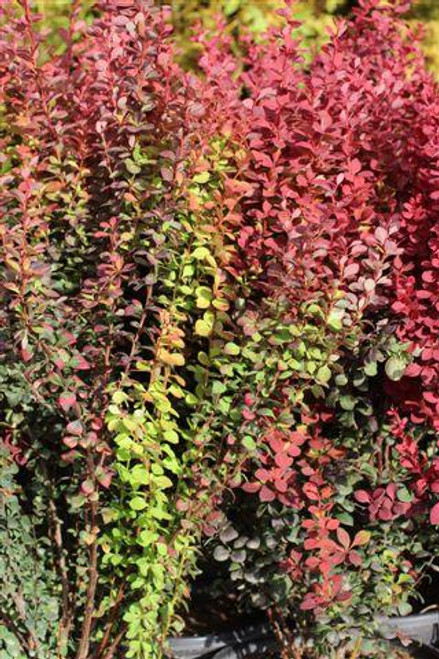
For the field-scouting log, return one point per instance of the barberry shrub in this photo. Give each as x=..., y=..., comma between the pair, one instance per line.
x=337, y=240
x=215, y=284
x=114, y=318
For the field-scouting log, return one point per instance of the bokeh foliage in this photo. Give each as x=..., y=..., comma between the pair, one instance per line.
x=316, y=17
x=256, y=15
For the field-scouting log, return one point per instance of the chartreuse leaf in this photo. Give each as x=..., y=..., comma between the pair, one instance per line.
x=323, y=374
x=395, y=367
x=138, y=503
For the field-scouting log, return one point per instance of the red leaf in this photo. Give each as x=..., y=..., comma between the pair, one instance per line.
x=351, y=270
x=343, y=537
x=75, y=428
x=67, y=401
x=281, y=485
x=26, y=354
x=309, y=602
x=87, y=487
x=344, y=596
x=362, y=496
x=332, y=524
x=325, y=120
x=283, y=460
x=263, y=159
x=167, y=174
x=105, y=479
x=355, y=558
x=71, y=442
x=338, y=558
x=311, y=543
x=293, y=450
x=251, y=488
x=434, y=514
x=80, y=363
x=266, y=495
x=311, y=491
x=312, y=562
x=263, y=475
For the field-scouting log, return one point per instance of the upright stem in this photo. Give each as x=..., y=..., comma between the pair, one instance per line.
x=112, y=649
x=84, y=643
x=111, y=620
x=65, y=623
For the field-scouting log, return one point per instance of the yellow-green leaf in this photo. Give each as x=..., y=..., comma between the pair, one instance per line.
x=203, y=177
x=138, y=503
x=203, y=328
x=171, y=358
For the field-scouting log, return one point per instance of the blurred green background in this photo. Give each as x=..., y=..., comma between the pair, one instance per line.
x=316, y=15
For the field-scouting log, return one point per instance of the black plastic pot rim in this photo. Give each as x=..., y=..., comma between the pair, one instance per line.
x=422, y=628
x=191, y=647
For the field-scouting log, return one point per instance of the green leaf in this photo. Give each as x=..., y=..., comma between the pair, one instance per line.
x=314, y=310
x=404, y=609
x=324, y=374
x=203, y=177
x=403, y=494
x=204, y=297
x=119, y=397
x=200, y=253
x=371, y=369
x=231, y=349
x=231, y=7
x=347, y=403
x=361, y=538
x=171, y=358
x=203, y=328
x=346, y=519
x=249, y=443
x=218, y=388
x=369, y=470
x=143, y=366
x=311, y=367
x=163, y=482
x=395, y=367
x=334, y=319
x=129, y=424
x=171, y=436
x=138, y=503
x=139, y=475
x=131, y=166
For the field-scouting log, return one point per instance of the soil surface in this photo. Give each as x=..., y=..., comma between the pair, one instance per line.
x=209, y=615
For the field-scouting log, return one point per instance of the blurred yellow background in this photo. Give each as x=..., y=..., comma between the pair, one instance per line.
x=315, y=15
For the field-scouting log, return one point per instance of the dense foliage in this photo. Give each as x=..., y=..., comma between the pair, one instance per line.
x=340, y=237
x=315, y=16
x=106, y=269
x=220, y=328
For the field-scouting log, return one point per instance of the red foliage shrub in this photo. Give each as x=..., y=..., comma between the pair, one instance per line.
x=343, y=168
x=338, y=238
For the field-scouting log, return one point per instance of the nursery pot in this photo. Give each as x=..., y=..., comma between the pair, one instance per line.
x=256, y=641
